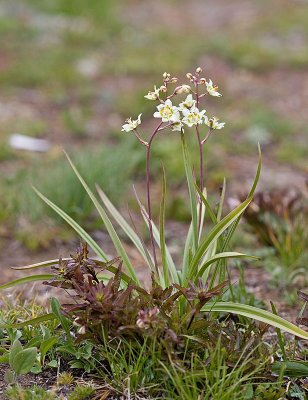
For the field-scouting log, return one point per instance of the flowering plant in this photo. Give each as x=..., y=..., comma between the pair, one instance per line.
x=205, y=254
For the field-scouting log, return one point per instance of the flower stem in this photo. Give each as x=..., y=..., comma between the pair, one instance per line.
x=200, y=143
x=148, y=184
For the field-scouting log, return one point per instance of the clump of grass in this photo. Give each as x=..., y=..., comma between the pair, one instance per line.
x=81, y=392
x=34, y=393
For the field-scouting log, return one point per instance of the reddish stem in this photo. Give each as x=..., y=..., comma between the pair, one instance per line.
x=200, y=143
x=148, y=183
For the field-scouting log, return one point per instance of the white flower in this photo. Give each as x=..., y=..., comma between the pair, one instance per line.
x=213, y=123
x=212, y=90
x=153, y=95
x=193, y=116
x=167, y=112
x=187, y=104
x=131, y=125
x=177, y=126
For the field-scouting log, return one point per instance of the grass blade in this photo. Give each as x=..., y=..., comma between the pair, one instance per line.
x=191, y=190
x=221, y=201
x=40, y=264
x=131, y=234
x=221, y=256
x=34, y=321
x=214, y=234
x=250, y=194
x=112, y=233
x=162, y=231
x=171, y=265
x=257, y=314
x=81, y=232
x=27, y=279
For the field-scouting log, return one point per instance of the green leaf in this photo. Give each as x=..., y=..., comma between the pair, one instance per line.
x=189, y=239
x=207, y=205
x=24, y=361
x=26, y=279
x=257, y=314
x=221, y=201
x=5, y=358
x=214, y=234
x=33, y=321
x=131, y=234
x=14, y=350
x=191, y=190
x=156, y=234
x=81, y=232
x=65, y=322
x=162, y=231
x=250, y=195
x=257, y=176
x=221, y=256
x=292, y=369
x=46, y=345
x=53, y=364
x=112, y=233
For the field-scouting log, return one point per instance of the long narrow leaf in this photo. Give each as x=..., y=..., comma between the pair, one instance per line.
x=169, y=259
x=221, y=201
x=171, y=265
x=189, y=238
x=191, y=190
x=112, y=233
x=257, y=314
x=207, y=205
x=214, y=235
x=42, y=264
x=81, y=232
x=162, y=232
x=48, y=263
x=131, y=234
x=34, y=321
x=221, y=256
x=26, y=279
x=250, y=194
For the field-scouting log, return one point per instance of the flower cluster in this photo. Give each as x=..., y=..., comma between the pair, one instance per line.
x=187, y=113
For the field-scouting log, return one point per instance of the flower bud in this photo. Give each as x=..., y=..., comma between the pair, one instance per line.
x=183, y=89
x=163, y=89
x=202, y=81
x=198, y=70
x=189, y=76
x=166, y=76
x=173, y=80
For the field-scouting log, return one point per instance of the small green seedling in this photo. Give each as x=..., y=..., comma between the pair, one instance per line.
x=21, y=360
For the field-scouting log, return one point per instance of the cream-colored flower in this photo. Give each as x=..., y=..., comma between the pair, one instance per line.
x=131, y=125
x=167, y=112
x=212, y=90
x=177, y=126
x=213, y=123
x=187, y=104
x=153, y=95
x=193, y=116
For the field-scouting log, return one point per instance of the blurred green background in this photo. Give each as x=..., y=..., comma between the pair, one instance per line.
x=71, y=71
